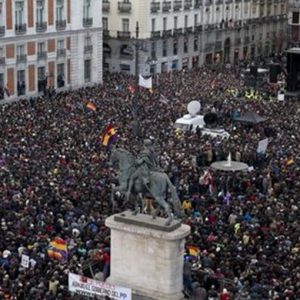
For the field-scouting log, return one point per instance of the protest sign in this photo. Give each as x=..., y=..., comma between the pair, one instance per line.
x=91, y=288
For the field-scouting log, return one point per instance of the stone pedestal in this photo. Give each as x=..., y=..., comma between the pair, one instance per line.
x=146, y=256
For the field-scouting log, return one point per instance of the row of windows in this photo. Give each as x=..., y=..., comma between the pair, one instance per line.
x=41, y=11
x=42, y=78
x=41, y=47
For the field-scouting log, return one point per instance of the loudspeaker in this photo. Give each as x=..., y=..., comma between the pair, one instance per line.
x=293, y=70
x=275, y=70
x=253, y=71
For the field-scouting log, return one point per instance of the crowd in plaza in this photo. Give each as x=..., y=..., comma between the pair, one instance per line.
x=56, y=182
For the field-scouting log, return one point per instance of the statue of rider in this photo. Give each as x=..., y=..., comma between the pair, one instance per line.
x=146, y=162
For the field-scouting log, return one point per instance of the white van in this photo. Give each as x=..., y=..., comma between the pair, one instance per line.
x=187, y=121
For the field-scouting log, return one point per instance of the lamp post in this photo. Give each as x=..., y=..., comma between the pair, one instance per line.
x=137, y=30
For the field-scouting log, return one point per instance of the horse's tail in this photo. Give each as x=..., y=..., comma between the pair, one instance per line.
x=175, y=199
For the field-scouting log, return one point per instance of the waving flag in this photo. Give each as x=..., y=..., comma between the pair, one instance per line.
x=146, y=83
x=92, y=106
x=193, y=250
x=109, y=136
x=58, y=249
x=163, y=99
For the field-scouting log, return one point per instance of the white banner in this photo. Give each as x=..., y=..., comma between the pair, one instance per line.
x=262, y=146
x=146, y=83
x=91, y=288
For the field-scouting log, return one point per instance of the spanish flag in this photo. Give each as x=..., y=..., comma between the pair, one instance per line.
x=91, y=106
x=109, y=136
x=58, y=249
x=193, y=250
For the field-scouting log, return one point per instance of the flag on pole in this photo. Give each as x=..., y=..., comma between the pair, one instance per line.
x=163, y=99
x=109, y=136
x=92, y=106
x=58, y=249
x=146, y=83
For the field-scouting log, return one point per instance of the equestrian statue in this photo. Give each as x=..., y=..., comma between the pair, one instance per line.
x=142, y=176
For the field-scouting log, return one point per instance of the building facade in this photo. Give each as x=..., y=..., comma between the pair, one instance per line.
x=186, y=33
x=49, y=44
x=294, y=23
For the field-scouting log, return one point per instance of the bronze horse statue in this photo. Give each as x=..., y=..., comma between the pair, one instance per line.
x=158, y=187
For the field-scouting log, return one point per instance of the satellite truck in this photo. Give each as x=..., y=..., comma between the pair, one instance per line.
x=193, y=120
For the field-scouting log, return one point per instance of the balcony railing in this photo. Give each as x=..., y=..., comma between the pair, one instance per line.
x=188, y=30
x=42, y=55
x=20, y=28
x=208, y=47
x=61, y=52
x=124, y=7
x=155, y=34
x=177, y=31
x=198, y=28
x=61, y=24
x=105, y=33
x=2, y=61
x=88, y=49
x=177, y=5
x=208, y=2
x=2, y=30
x=197, y=4
x=218, y=46
x=167, y=33
x=155, y=7
x=41, y=26
x=21, y=58
x=188, y=4
x=166, y=6
x=87, y=22
x=123, y=34
x=105, y=6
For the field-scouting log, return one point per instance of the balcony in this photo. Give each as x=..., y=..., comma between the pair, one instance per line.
x=123, y=34
x=208, y=2
x=167, y=33
x=42, y=55
x=209, y=47
x=61, y=52
x=177, y=31
x=188, y=30
x=105, y=33
x=61, y=24
x=87, y=22
x=197, y=4
x=228, y=1
x=188, y=4
x=2, y=30
x=2, y=61
x=21, y=58
x=124, y=7
x=88, y=49
x=219, y=2
x=198, y=28
x=105, y=6
x=20, y=28
x=177, y=5
x=166, y=6
x=155, y=34
x=155, y=7
x=41, y=26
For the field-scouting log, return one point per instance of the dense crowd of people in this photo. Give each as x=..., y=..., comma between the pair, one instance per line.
x=56, y=181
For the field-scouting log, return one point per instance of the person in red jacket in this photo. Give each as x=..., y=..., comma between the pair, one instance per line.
x=224, y=295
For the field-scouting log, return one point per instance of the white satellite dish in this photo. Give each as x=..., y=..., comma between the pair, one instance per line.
x=194, y=107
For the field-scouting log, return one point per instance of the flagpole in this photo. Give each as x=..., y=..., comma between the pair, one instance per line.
x=137, y=30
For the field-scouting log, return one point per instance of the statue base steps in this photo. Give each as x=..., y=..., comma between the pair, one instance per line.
x=145, y=259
